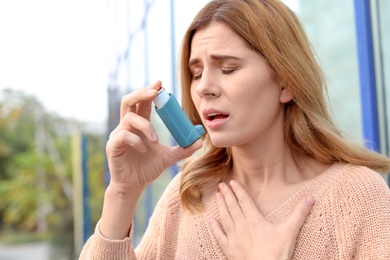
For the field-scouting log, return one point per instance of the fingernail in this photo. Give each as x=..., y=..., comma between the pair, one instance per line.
x=154, y=136
x=221, y=186
x=309, y=201
x=218, y=196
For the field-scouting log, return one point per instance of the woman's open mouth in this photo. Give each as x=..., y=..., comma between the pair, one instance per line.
x=214, y=119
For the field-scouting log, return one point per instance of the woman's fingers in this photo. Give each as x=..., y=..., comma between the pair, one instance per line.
x=131, y=131
x=219, y=235
x=184, y=152
x=231, y=202
x=298, y=217
x=134, y=117
x=245, y=227
x=133, y=102
x=226, y=218
x=177, y=153
x=133, y=122
x=248, y=206
x=140, y=124
x=123, y=139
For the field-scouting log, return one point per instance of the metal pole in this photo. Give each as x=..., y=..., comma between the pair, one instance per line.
x=173, y=47
x=149, y=188
x=127, y=53
x=85, y=186
x=174, y=167
x=367, y=74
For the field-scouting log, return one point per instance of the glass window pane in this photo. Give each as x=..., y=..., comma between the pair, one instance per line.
x=381, y=21
x=330, y=26
x=381, y=38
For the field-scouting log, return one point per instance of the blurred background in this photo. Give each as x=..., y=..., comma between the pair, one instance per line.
x=64, y=66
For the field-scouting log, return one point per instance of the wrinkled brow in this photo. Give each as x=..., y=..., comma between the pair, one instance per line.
x=217, y=58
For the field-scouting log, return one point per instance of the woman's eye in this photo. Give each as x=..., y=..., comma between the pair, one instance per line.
x=197, y=76
x=227, y=71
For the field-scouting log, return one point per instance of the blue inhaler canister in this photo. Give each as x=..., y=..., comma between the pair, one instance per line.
x=176, y=120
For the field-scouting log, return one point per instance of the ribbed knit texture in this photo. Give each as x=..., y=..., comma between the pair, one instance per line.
x=350, y=220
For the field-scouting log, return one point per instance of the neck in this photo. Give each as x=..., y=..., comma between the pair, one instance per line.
x=263, y=169
x=271, y=176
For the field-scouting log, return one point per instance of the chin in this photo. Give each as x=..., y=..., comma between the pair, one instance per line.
x=222, y=142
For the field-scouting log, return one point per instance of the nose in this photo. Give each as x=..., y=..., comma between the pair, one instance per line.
x=207, y=86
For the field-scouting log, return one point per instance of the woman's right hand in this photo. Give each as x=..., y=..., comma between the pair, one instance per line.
x=134, y=154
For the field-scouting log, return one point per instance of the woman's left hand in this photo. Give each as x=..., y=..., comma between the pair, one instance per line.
x=248, y=235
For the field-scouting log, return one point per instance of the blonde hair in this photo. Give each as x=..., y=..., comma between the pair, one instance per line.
x=275, y=32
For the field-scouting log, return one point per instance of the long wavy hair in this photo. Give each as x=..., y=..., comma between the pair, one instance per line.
x=273, y=31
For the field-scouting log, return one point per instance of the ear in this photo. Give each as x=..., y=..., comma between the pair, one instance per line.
x=285, y=95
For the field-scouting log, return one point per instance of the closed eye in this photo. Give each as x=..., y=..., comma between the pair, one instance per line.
x=226, y=72
x=196, y=77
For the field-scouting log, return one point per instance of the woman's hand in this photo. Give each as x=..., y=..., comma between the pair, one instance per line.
x=248, y=235
x=135, y=156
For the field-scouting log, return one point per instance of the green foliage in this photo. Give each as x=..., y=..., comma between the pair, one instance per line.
x=96, y=165
x=20, y=191
x=36, y=166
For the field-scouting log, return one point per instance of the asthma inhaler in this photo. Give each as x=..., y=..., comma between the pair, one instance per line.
x=176, y=120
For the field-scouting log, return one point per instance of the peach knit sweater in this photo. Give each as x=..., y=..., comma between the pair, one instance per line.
x=350, y=220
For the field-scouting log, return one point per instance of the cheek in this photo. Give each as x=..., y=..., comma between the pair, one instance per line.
x=259, y=101
x=195, y=98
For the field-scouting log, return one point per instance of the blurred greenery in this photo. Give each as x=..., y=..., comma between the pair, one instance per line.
x=36, y=175
x=36, y=170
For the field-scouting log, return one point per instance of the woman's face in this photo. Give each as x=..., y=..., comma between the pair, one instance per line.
x=236, y=95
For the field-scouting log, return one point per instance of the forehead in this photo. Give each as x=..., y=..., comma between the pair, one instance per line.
x=217, y=36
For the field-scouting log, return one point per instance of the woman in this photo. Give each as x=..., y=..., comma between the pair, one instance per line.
x=249, y=76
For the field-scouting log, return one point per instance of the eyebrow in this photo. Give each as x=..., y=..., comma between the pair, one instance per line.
x=217, y=58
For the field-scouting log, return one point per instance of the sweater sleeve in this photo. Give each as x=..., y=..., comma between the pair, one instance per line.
x=101, y=248
x=159, y=239
x=362, y=201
